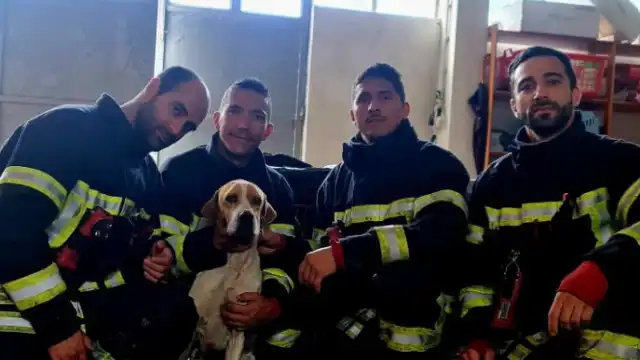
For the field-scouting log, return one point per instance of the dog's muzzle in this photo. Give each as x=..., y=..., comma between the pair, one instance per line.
x=245, y=231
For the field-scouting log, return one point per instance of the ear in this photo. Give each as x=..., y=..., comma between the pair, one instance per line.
x=151, y=90
x=211, y=209
x=352, y=116
x=576, y=96
x=512, y=103
x=267, y=131
x=406, y=109
x=268, y=213
x=216, y=120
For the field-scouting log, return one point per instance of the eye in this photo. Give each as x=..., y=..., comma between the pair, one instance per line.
x=231, y=198
x=256, y=201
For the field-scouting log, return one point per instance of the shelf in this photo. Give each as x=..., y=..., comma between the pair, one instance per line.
x=596, y=104
x=590, y=45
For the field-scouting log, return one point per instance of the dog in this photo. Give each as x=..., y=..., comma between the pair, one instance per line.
x=239, y=212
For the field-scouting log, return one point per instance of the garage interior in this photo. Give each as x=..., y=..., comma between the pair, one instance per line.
x=307, y=52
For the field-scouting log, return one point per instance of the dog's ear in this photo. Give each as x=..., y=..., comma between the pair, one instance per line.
x=268, y=213
x=211, y=209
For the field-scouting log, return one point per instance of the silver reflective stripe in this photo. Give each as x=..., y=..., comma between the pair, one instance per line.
x=449, y=196
x=283, y=229
x=114, y=280
x=285, y=338
x=36, y=179
x=601, y=344
x=367, y=213
x=172, y=226
x=89, y=286
x=12, y=321
x=626, y=201
x=393, y=243
x=475, y=234
x=37, y=289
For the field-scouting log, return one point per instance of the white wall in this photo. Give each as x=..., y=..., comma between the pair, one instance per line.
x=343, y=44
x=56, y=52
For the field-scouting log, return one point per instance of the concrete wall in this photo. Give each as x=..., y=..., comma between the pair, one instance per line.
x=87, y=48
x=343, y=44
x=223, y=46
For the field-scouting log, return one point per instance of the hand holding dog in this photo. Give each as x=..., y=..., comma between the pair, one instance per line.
x=159, y=262
x=250, y=310
x=317, y=265
x=270, y=242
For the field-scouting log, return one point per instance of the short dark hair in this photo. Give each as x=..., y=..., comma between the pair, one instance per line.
x=541, y=51
x=385, y=72
x=171, y=78
x=252, y=84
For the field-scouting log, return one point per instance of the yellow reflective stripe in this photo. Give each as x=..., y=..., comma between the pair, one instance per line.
x=79, y=199
x=114, y=280
x=440, y=196
x=285, y=338
x=393, y=243
x=632, y=231
x=198, y=223
x=316, y=238
x=89, y=286
x=99, y=353
x=13, y=322
x=606, y=345
x=177, y=243
x=283, y=229
x=406, y=207
x=409, y=339
x=446, y=303
x=37, y=288
x=37, y=180
x=520, y=352
x=593, y=204
x=280, y=276
x=4, y=298
x=626, y=201
x=475, y=234
x=473, y=297
x=172, y=226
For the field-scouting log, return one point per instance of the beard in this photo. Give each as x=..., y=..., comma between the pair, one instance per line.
x=146, y=129
x=547, y=125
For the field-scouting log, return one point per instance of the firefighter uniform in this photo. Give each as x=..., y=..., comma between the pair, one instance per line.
x=400, y=206
x=192, y=178
x=56, y=168
x=534, y=215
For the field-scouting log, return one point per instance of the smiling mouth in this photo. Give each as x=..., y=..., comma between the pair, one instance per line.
x=375, y=119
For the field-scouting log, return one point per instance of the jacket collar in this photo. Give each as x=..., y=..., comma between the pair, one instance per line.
x=389, y=150
x=555, y=149
x=123, y=136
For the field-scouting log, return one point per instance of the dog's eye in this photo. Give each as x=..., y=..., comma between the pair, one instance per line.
x=256, y=201
x=231, y=198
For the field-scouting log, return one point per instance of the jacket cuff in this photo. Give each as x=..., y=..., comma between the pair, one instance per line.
x=54, y=321
x=272, y=288
x=587, y=283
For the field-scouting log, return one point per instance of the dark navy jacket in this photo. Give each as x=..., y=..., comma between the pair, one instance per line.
x=402, y=207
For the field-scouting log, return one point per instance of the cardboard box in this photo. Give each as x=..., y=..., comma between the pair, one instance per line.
x=550, y=18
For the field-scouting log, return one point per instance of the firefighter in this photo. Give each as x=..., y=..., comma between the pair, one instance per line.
x=243, y=122
x=535, y=215
x=398, y=202
x=60, y=170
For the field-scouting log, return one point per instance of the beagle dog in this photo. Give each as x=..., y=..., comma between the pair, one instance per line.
x=239, y=212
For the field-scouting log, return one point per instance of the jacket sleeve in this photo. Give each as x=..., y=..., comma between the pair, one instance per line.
x=619, y=257
x=323, y=218
x=280, y=270
x=478, y=269
x=440, y=218
x=40, y=170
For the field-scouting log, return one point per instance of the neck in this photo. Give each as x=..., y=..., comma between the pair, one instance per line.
x=237, y=160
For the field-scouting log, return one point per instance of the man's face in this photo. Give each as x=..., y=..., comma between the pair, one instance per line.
x=542, y=95
x=169, y=116
x=377, y=108
x=243, y=121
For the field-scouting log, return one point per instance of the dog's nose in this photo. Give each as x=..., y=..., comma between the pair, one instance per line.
x=245, y=230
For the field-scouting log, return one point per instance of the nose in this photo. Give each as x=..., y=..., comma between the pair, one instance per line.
x=541, y=92
x=245, y=230
x=374, y=106
x=175, y=127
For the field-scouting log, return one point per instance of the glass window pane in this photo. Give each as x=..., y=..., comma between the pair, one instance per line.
x=361, y=5
x=289, y=8
x=418, y=8
x=212, y=4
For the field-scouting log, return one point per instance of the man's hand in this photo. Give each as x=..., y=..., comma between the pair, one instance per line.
x=251, y=310
x=471, y=354
x=317, y=265
x=270, y=242
x=159, y=262
x=569, y=312
x=74, y=348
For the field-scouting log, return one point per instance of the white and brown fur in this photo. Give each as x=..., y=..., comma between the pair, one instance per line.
x=236, y=200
